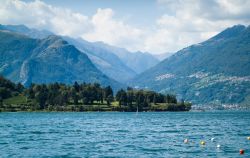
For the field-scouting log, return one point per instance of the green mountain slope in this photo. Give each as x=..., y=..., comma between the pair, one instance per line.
x=214, y=71
x=52, y=59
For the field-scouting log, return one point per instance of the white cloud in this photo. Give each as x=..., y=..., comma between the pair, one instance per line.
x=115, y=32
x=102, y=26
x=38, y=14
x=183, y=23
x=186, y=22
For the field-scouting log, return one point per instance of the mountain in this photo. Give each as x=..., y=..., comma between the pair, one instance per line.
x=137, y=61
x=22, y=29
x=163, y=56
x=52, y=59
x=104, y=60
x=214, y=71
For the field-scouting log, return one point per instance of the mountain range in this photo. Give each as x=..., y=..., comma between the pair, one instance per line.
x=137, y=61
x=214, y=71
x=22, y=29
x=104, y=60
x=52, y=59
x=117, y=63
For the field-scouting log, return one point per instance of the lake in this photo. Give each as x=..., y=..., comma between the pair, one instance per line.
x=118, y=134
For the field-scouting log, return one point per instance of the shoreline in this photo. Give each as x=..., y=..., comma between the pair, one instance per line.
x=45, y=111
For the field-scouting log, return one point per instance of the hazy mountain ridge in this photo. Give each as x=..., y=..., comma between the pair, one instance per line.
x=216, y=70
x=104, y=60
x=137, y=61
x=22, y=29
x=163, y=56
x=52, y=59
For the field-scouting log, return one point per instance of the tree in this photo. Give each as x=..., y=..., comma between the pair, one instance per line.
x=76, y=86
x=31, y=93
x=100, y=95
x=85, y=97
x=5, y=93
x=171, y=99
x=129, y=89
x=19, y=87
x=65, y=97
x=118, y=96
x=130, y=98
x=109, y=99
x=41, y=95
x=154, y=100
x=139, y=99
x=1, y=101
x=182, y=102
x=121, y=96
x=146, y=101
x=74, y=96
x=108, y=92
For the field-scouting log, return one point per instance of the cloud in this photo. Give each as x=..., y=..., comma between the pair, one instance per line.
x=112, y=31
x=186, y=22
x=102, y=26
x=183, y=22
x=38, y=14
x=209, y=9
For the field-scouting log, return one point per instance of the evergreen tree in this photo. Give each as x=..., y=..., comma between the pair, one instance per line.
x=121, y=97
x=108, y=93
x=41, y=95
x=74, y=96
x=76, y=87
x=154, y=100
x=109, y=100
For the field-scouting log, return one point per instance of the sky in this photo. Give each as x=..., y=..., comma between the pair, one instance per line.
x=154, y=26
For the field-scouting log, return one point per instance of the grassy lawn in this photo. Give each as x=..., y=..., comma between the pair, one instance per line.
x=16, y=100
x=159, y=106
x=115, y=104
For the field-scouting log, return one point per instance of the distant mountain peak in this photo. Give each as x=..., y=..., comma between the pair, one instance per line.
x=14, y=27
x=22, y=29
x=230, y=32
x=55, y=38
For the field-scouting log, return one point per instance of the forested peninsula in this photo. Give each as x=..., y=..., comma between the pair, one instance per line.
x=81, y=97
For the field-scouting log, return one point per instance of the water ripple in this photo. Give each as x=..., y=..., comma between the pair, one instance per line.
x=124, y=134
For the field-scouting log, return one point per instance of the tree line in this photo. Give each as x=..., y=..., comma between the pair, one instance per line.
x=142, y=99
x=8, y=88
x=62, y=94
x=46, y=96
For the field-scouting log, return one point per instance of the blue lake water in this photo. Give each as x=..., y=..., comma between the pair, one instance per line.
x=107, y=134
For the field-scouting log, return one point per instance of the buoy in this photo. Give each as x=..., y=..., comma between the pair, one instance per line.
x=248, y=138
x=218, y=145
x=212, y=139
x=185, y=141
x=202, y=142
x=242, y=151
